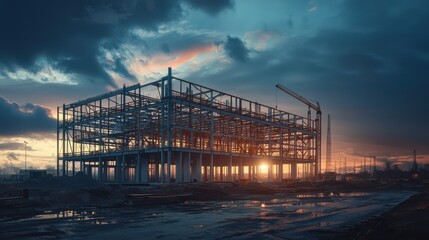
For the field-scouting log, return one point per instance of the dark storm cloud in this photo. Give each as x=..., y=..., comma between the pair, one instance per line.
x=370, y=75
x=69, y=32
x=18, y=120
x=13, y=146
x=236, y=49
x=211, y=7
x=122, y=70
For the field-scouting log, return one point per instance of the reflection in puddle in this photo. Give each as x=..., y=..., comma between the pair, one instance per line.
x=89, y=216
x=301, y=210
x=304, y=216
x=353, y=194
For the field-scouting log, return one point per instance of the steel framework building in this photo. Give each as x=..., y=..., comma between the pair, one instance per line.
x=173, y=130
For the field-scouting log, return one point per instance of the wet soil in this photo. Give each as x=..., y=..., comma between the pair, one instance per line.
x=408, y=220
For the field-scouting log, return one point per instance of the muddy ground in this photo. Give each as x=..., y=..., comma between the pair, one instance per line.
x=408, y=220
x=55, y=194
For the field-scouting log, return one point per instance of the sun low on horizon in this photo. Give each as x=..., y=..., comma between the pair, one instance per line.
x=365, y=63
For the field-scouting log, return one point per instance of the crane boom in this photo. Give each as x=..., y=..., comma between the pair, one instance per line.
x=318, y=126
x=299, y=97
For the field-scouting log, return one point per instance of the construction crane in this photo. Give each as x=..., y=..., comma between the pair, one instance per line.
x=318, y=121
x=301, y=98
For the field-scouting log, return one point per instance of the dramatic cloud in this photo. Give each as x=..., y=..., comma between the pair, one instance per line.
x=372, y=78
x=26, y=119
x=69, y=33
x=368, y=70
x=211, y=7
x=236, y=49
x=13, y=146
x=12, y=156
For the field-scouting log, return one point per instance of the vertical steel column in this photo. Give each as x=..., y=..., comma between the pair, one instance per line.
x=169, y=123
x=100, y=139
x=240, y=169
x=138, y=168
x=124, y=105
x=81, y=139
x=187, y=168
x=73, y=141
x=58, y=140
x=162, y=132
x=179, y=164
x=64, y=139
x=280, y=173
x=144, y=169
x=230, y=167
x=140, y=165
x=211, y=141
x=293, y=166
x=270, y=149
x=199, y=163
x=318, y=142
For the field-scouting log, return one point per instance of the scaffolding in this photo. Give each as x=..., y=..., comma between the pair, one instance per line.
x=173, y=130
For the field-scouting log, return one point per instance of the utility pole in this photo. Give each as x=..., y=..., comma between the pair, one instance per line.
x=25, y=160
x=345, y=166
x=364, y=164
x=335, y=166
x=414, y=167
x=354, y=166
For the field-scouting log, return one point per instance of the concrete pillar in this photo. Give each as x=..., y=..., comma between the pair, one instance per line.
x=186, y=168
x=169, y=157
x=117, y=169
x=99, y=174
x=280, y=170
x=123, y=168
x=138, y=169
x=293, y=170
x=157, y=167
x=270, y=170
x=240, y=169
x=162, y=166
x=211, y=168
x=105, y=170
x=198, y=168
x=179, y=167
x=257, y=173
x=249, y=169
x=230, y=168
x=205, y=174
x=144, y=169
x=89, y=170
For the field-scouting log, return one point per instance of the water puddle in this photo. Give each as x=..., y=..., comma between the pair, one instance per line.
x=305, y=216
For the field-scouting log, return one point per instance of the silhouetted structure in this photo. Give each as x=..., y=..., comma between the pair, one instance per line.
x=175, y=130
x=328, y=146
x=414, y=168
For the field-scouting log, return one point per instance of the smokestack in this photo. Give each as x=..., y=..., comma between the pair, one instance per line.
x=328, y=146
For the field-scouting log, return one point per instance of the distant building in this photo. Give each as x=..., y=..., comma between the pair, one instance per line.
x=31, y=174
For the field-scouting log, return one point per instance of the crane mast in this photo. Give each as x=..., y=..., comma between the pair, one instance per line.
x=318, y=121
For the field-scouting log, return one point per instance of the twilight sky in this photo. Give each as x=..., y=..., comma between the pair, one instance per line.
x=365, y=61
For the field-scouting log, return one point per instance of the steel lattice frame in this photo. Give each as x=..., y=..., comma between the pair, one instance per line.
x=184, y=124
